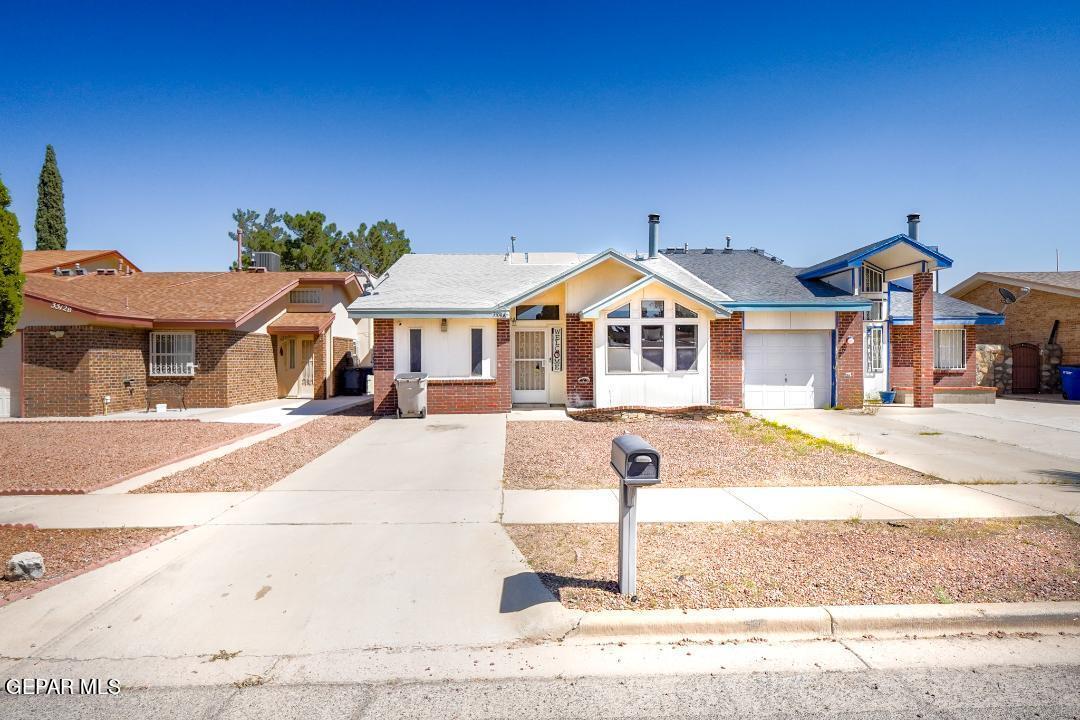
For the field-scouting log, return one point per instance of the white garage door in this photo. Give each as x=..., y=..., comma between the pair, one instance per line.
x=787, y=369
x=10, y=361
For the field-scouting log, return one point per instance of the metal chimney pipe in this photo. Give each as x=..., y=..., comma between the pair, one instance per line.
x=913, y=226
x=654, y=234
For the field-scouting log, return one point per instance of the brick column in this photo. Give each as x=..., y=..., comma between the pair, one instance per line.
x=922, y=306
x=849, y=359
x=382, y=363
x=503, y=370
x=579, y=362
x=726, y=361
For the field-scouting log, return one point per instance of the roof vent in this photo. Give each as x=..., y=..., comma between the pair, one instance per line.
x=106, y=271
x=708, y=251
x=257, y=269
x=727, y=244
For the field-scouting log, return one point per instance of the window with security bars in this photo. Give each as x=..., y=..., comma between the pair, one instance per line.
x=874, y=355
x=872, y=279
x=172, y=354
x=949, y=349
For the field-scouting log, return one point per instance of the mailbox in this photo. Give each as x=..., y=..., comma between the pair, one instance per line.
x=636, y=462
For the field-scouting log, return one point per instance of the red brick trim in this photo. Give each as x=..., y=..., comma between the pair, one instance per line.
x=726, y=361
x=849, y=359
x=462, y=381
x=20, y=526
x=45, y=585
x=382, y=364
x=922, y=305
x=579, y=362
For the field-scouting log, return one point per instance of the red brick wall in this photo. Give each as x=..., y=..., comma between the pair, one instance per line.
x=726, y=361
x=579, y=362
x=922, y=366
x=1031, y=319
x=849, y=359
x=382, y=363
x=341, y=348
x=70, y=375
x=902, y=358
x=209, y=386
x=251, y=368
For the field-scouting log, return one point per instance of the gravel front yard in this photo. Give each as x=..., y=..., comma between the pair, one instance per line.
x=261, y=465
x=733, y=451
x=68, y=552
x=810, y=563
x=78, y=456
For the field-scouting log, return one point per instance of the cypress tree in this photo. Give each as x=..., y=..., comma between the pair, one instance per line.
x=50, y=223
x=11, y=277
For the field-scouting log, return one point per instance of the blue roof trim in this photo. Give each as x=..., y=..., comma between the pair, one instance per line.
x=854, y=259
x=969, y=320
x=767, y=305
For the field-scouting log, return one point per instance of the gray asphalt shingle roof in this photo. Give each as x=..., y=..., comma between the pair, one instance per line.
x=944, y=306
x=747, y=276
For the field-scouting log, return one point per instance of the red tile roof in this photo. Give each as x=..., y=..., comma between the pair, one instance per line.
x=34, y=261
x=301, y=322
x=201, y=299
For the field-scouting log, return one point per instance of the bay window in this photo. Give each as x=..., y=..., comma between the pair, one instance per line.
x=618, y=348
x=652, y=336
x=652, y=348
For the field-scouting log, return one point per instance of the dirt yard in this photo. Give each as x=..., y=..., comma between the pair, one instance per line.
x=810, y=563
x=733, y=451
x=78, y=456
x=263, y=464
x=67, y=552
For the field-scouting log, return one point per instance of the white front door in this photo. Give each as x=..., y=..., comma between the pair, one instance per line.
x=787, y=369
x=10, y=375
x=530, y=366
x=297, y=362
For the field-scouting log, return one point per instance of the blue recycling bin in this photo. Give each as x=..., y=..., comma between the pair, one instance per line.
x=1070, y=382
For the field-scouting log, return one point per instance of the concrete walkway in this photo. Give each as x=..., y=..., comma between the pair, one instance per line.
x=881, y=502
x=390, y=540
x=1009, y=442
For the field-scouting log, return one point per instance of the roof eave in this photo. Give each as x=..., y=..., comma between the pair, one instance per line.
x=943, y=262
x=420, y=313
x=796, y=306
x=593, y=311
x=954, y=320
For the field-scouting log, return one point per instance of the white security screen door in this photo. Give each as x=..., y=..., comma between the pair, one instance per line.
x=307, y=376
x=530, y=366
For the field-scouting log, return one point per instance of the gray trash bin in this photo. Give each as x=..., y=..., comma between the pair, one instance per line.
x=411, y=394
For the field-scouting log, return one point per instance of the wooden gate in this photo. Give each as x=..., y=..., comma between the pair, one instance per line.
x=1025, y=368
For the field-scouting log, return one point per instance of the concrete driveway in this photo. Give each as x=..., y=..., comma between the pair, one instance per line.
x=1011, y=441
x=390, y=540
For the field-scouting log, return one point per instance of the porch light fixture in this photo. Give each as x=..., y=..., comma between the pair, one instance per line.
x=442, y=324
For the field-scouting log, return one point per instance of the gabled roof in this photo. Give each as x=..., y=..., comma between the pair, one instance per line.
x=1066, y=282
x=947, y=310
x=751, y=280
x=857, y=256
x=300, y=322
x=487, y=285
x=195, y=299
x=34, y=261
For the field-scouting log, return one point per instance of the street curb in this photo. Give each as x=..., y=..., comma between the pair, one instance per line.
x=851, y=621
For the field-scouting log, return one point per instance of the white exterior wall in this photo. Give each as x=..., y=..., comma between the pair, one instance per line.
x=445, y=354
x=773, y=320
x=666, y=389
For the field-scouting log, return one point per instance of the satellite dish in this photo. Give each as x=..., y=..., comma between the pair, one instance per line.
x=1007, y=296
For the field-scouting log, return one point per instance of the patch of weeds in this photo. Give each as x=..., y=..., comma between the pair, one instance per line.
x=854, y=520
x=250, y=681
x=223, y=655
x=802, y=440
x=929, y=432
x=942, y=596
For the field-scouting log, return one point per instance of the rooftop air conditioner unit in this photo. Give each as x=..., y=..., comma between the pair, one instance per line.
x=270, y=261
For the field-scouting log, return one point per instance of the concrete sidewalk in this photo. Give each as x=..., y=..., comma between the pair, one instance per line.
x=881, y=502
x=953, y=442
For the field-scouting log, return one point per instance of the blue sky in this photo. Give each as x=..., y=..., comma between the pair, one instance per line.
x=805, y=131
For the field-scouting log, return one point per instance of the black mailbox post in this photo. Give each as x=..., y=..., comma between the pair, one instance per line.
x=638, y=465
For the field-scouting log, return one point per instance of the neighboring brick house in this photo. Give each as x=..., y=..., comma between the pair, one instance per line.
x=1040, y=333
x=90, y=343
x=673, y=328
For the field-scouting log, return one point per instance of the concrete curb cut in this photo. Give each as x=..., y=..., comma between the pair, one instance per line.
x=850, y=621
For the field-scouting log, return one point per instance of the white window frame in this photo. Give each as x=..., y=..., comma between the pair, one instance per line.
x=875, y=361
x=177, y=359
x=668, y=322
x=949, y=359
x=876, y=313
x=868, y=272
x=301, y=296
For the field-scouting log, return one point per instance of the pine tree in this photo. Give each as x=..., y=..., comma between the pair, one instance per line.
x=11, y=277
x=50, y=223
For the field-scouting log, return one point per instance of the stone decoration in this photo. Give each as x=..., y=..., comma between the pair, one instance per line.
x=25, y=566
x=993, y=367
